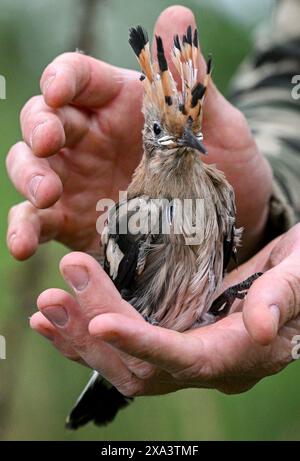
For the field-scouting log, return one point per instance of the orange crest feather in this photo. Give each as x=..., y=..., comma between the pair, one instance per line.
x=176, y=107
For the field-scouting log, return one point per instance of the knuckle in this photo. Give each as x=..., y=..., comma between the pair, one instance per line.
x=142, y=371
x=130, y=388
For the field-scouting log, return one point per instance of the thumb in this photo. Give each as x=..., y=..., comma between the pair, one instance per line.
x=172, y=21
x=218, y=111
x=94, y=290
x=273, y=300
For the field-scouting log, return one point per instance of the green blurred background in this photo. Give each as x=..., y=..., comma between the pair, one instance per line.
x=37, y=385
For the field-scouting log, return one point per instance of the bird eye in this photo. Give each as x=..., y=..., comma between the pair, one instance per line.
x=156, y=129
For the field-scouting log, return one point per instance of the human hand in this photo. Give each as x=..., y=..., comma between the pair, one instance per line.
x=98, y=328
x=82, y=141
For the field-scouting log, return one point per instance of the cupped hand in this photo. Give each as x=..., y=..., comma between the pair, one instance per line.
x=99, y=329
x=79, y=146
x=82, y=141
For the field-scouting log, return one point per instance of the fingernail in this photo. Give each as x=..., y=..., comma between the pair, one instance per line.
x=46, y=84
x=77, y=276
x=275, y=312
x=34, y=185
x=56, y=314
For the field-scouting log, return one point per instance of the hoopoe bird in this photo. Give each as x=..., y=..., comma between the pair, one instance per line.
x=172, y=278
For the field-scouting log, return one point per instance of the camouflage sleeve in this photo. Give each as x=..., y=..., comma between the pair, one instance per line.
x=267, y=91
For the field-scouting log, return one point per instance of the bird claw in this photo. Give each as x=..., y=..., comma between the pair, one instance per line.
x=223, y=303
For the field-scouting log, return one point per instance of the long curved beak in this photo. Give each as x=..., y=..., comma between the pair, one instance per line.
x=190, y=140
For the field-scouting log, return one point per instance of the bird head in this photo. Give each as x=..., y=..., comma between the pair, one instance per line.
x=173, y=117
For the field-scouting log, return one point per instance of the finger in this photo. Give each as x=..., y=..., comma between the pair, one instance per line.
x=174, y=20
x=66, y=315
x=33, y=177
x=164, y=348
x=45, y=328
x=93, y=287
x=42, y=326
x=273, y=300
x=28, y=226
x=47, y=130
x=80, y=79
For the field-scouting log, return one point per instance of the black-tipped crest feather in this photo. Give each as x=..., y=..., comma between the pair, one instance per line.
x=177, y=42
x=189, y=38
x=195, y=39
x=209, y=64
x=162, y=62
x=138, y=38
x=168, y=100
x=197, y=93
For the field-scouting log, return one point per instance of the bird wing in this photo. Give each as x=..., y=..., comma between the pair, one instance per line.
x=232, y=234
x=225, y=208
x=228, y=245
x=126, y=239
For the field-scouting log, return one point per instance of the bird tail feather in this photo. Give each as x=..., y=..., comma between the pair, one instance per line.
x=99, y=402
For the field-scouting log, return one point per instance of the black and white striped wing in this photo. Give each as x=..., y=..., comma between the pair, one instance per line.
x=126, y=240
x=232, y=236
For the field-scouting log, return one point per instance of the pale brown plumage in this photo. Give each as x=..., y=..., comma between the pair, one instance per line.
x=180, y=281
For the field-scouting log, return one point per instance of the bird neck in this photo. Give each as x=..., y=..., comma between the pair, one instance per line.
x=177, y=175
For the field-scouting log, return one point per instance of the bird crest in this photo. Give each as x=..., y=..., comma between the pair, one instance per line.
x=177, y=107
